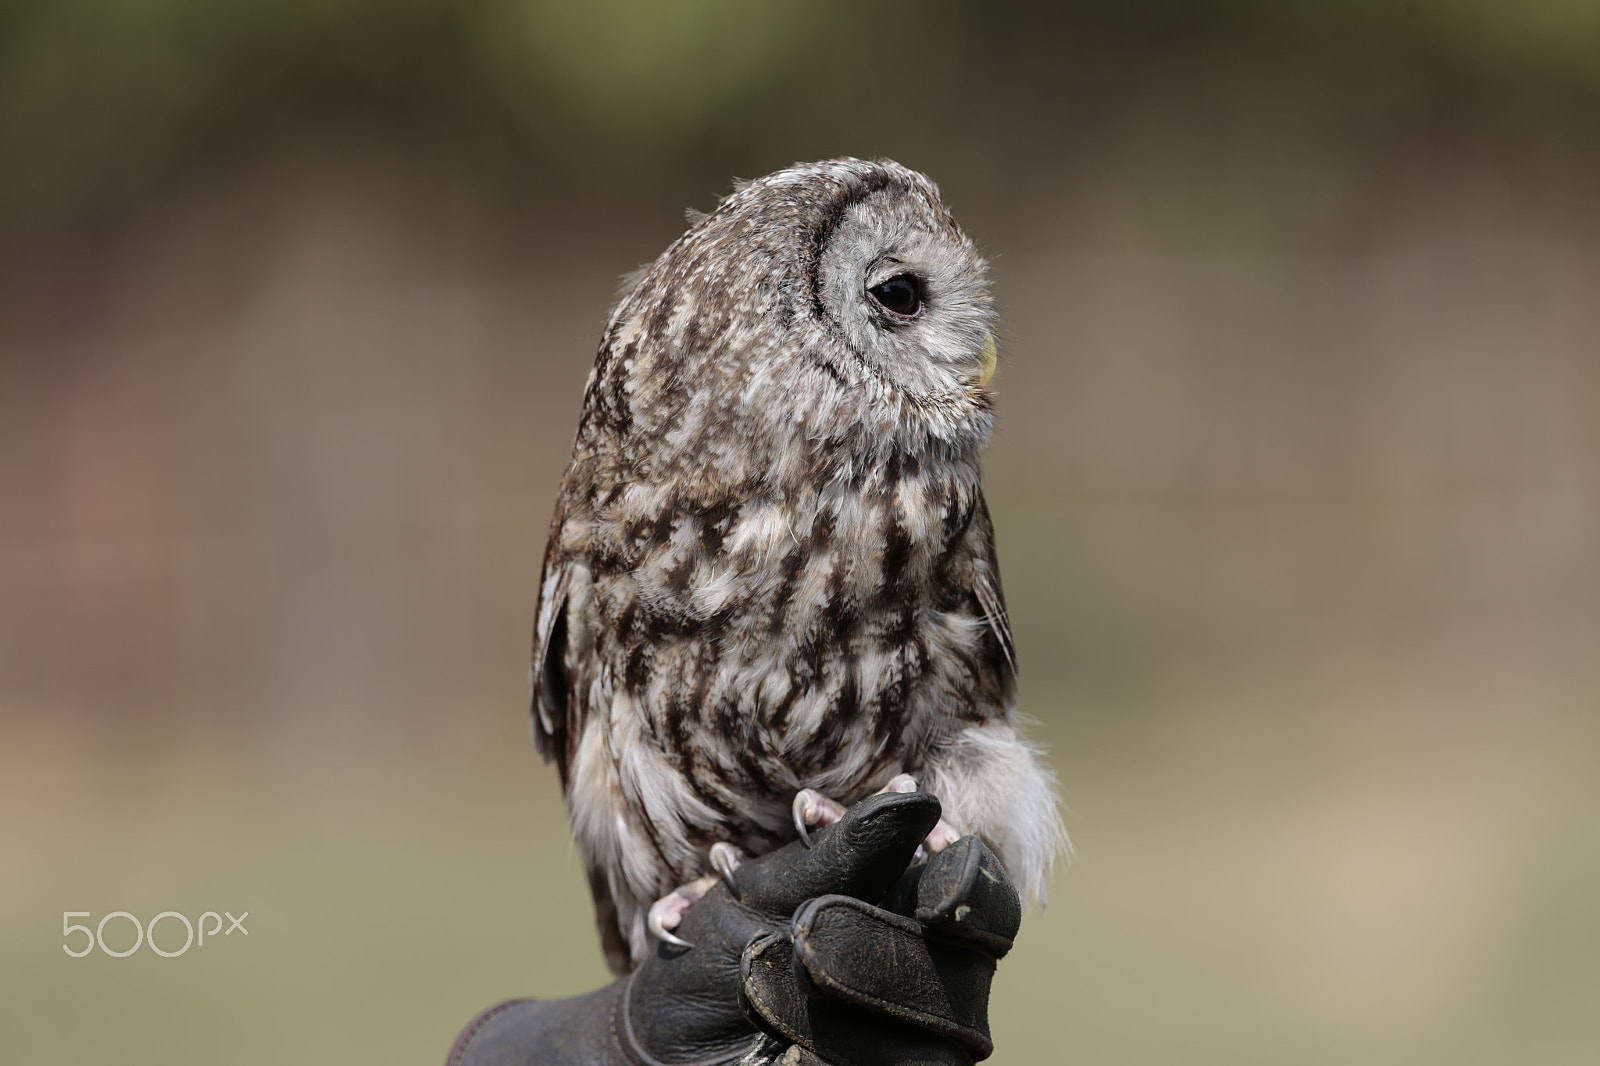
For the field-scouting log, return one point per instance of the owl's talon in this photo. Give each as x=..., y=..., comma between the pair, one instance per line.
x=941, y=836
x=812, y=808
x=725, y=859
x=667, y=912
x=900, y=783
x=801, y=808
x=668, y=938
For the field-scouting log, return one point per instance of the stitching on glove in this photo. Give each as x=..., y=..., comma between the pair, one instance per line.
x=813, y=964
x=458, y=1051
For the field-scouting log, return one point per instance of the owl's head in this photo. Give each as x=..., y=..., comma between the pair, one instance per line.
x=850, y=267
x=897, y=282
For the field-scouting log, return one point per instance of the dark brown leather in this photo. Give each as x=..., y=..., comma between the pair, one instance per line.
x=796, y=964
x=863, y=984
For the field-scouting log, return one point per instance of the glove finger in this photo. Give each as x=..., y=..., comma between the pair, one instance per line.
x=965, y=895
x=860, y=954
x=835, y=1031
x=862, y=855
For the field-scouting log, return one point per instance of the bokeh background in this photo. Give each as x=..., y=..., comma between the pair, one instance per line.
x=1297, y=484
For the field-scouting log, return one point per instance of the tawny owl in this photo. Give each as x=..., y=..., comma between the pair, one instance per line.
x=771, y=567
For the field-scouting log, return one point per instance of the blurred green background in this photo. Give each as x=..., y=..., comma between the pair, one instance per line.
x=1297, y=484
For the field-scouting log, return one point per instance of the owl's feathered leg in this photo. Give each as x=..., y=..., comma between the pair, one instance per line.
x=667, y=912
x=812, y=808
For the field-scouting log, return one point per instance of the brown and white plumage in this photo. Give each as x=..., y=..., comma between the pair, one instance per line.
x=771, y=566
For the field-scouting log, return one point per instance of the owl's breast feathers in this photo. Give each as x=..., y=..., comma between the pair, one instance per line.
x=778, y=639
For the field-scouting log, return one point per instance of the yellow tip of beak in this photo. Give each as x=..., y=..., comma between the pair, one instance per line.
x=990, y=359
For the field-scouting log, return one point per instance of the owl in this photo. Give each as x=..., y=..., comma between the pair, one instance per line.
x=771, y=586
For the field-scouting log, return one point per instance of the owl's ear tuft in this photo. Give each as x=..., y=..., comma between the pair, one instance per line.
x=693, y=215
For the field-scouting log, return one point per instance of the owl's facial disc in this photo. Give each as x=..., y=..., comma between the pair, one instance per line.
x=910, y=295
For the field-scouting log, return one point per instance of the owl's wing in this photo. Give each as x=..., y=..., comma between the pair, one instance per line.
x=986, y=585
x=553, y=729
x=558, y=714
x=558, y=720
x=993, y=602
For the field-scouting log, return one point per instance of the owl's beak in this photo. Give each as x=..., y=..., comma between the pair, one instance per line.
x=990, y=359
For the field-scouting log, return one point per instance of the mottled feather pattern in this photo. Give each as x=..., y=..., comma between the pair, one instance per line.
x=771, y=565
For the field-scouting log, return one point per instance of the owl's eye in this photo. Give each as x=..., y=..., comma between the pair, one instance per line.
x=901, y=295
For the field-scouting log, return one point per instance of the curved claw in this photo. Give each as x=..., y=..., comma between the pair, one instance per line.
x=666, y=912
x=940, y=837
x=725, y=859
x=811, y=808
x=662, y=933
x=804, y=811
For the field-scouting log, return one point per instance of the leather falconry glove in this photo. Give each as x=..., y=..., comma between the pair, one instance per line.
x=832, y=955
